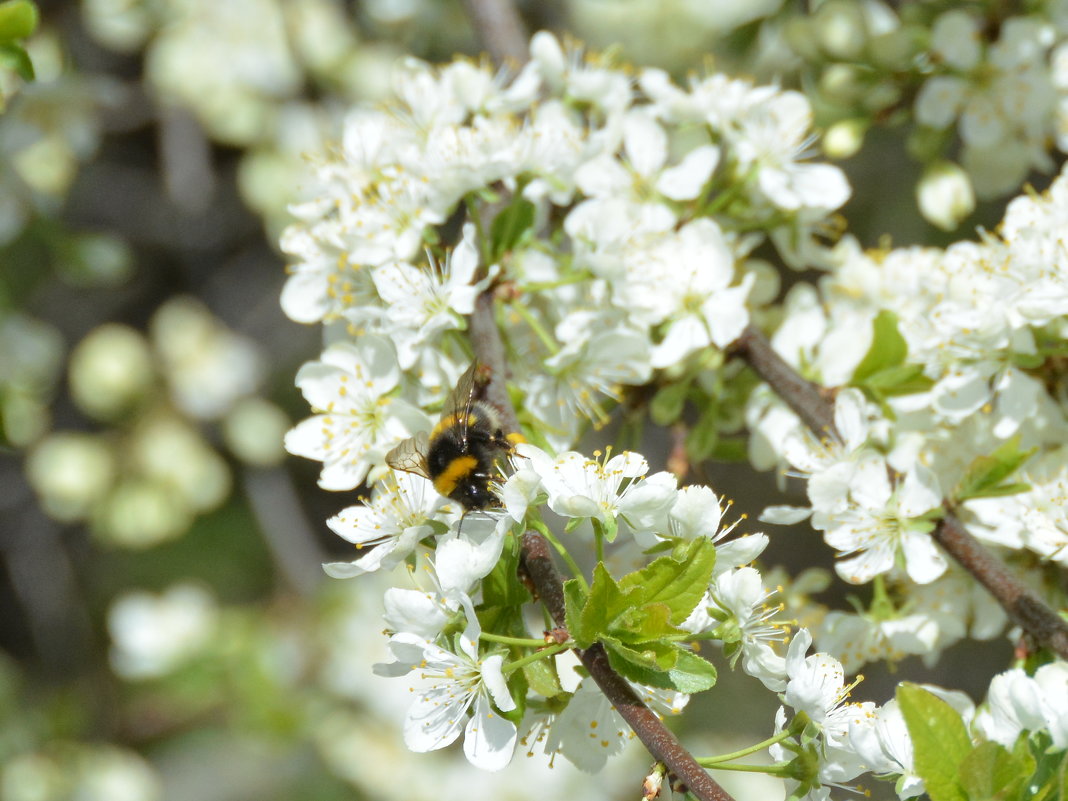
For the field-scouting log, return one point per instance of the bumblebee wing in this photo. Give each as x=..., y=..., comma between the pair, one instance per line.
x=410, y=455
x=472, y=385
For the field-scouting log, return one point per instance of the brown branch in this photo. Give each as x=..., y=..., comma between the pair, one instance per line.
x=499, y=29
x=655, y=736
x=806, y=399
x=1024, y=607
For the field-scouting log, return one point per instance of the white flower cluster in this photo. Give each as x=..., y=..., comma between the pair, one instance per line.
x=981, y=322
x=1006, y=96
x=650, y=185
x=460, y=683
x=659, y=194
x=654, y=196
x=980, y=330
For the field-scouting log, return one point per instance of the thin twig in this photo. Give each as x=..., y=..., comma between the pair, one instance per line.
x=500, y=30
x=289, y=538
x=805, y=398
x=486, y=342
x=1024, y=607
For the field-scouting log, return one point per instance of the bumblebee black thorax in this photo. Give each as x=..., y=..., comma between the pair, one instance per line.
x=461, y=457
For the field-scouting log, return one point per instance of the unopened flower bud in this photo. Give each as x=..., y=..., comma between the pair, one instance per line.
x=841, y=29
x=110, y=371
x=141, y=513
x=254, y=430
x=70, y=472
x=945, y=195
x=844, y=138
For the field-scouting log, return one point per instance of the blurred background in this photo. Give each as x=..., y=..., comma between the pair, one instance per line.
x=167, y=630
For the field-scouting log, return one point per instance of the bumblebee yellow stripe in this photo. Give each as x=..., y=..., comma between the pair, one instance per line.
x=455, y=472
x=450, y=420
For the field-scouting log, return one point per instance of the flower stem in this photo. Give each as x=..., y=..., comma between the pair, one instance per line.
x=535, y=325
x=770, y=770
x=714, y=762
x=543, y=653
x=522, y=642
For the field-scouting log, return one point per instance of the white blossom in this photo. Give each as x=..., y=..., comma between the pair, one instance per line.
x=400, y=514
x=604, y=489
x=453, y=685
x=882, y=521
x=359, y=419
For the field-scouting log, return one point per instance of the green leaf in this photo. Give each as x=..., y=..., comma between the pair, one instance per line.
x=574, y=601
x=731, y=449
x=503, y=595
x=653, y=655
x=888, y=348
x=1049, y=779
x=986, y=475
x=883, y=372
x=1013, y=488
x=649, y=665
x=990, y=771
x=506, y=620
x=677, y=582
x=1028, y=361
x=14, y=58
x=692, y=673
x=509, y=225
x=663, y=665
x=666, y=406
x=500, y=587
x=643, y=624
x=18, y=19
x=605, y=603
x=902, y=379
x=701, y=440
x=542, y=677
x=939, y=741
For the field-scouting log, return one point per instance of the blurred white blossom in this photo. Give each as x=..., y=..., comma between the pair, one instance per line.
x=153, y=635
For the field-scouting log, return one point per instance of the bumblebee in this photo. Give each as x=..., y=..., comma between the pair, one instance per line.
x=461, y=453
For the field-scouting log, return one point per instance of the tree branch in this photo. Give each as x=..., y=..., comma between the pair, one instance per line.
x=1024, y=607
x=808, y=401
x=486, y=342
x=500, y=30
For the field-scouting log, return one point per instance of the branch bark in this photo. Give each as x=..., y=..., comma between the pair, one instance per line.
x=500, y=30
x=1024, y=607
